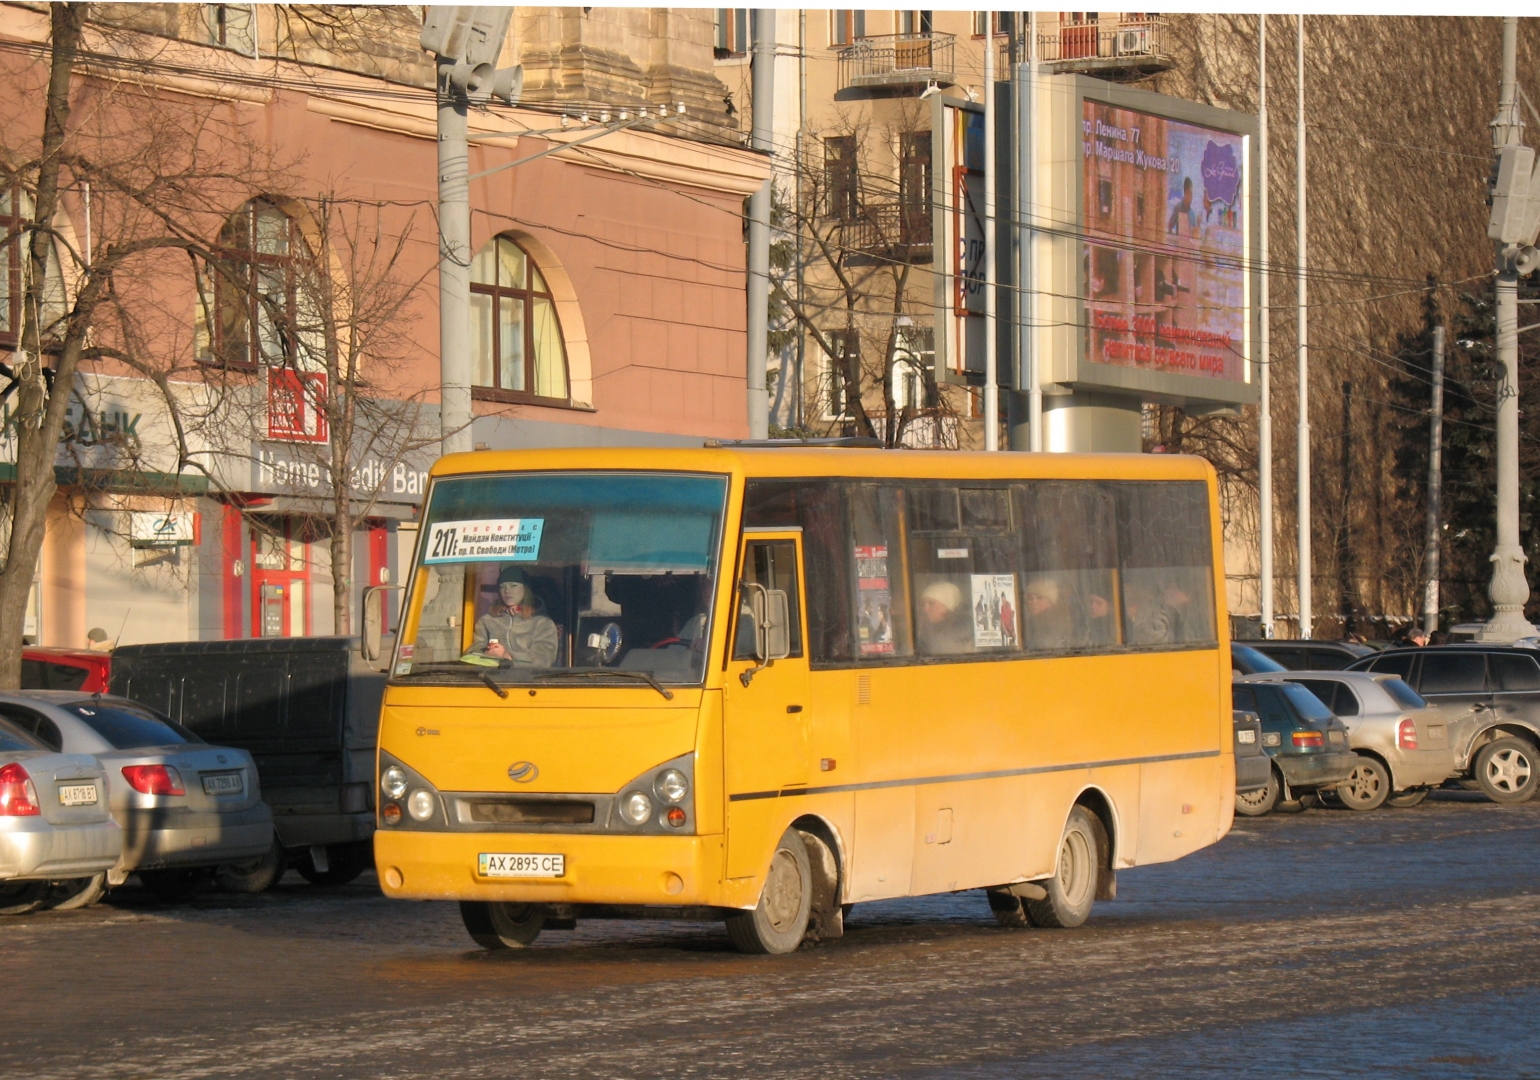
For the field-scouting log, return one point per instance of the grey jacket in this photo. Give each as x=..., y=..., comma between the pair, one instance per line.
x=531, y=640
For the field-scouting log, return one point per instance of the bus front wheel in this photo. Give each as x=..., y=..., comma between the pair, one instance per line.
x=779, y=921
x=1072, y=889
x=497, y=925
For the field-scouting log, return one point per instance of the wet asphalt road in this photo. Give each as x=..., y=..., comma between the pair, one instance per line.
x=1393, y=944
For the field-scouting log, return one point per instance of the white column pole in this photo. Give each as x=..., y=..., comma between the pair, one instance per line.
x=1264, y=351
x=1303, y=448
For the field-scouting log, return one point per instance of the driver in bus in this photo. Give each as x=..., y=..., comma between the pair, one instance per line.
x=517, y=628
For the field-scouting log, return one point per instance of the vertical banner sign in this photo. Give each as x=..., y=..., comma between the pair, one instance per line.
x=294, y=400
x=959, y=242
x=1164, y=259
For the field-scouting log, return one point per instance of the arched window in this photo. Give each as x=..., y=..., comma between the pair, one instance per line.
x=258, y=306
x=516, y=339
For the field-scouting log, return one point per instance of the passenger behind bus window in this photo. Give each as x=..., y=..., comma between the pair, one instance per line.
x=1048, y=625
x=944, y=626
x=1100, y=628
x=1146, y=619
x=517, y=628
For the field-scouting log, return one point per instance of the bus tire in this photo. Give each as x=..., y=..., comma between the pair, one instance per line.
x=1072, y=889
x=779, y=921
x=498, y=925
x=1007, y=908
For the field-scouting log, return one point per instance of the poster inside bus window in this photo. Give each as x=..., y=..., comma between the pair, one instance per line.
x=994, y=611
x=1167, y=290
x=875, y=624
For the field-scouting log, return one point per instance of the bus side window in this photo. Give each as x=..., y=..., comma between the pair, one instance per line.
x=879, y=572
x=1165, y=551
x=1069, y=559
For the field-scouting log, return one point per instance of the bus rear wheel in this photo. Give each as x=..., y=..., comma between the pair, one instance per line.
x=1072, y=889
x=779, y=921
x=497, y=925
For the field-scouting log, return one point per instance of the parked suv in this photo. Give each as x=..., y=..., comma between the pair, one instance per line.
x=1313, y=655
x=1490, y=698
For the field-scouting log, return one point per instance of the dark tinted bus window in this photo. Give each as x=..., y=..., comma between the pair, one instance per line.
x=1453, y=673
x=819, y=508
x=129, y=728
x=1069, y=560
x=1168, y=575
x=1510, y=671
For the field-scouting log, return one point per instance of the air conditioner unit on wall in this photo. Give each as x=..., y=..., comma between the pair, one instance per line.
x=1134, y=42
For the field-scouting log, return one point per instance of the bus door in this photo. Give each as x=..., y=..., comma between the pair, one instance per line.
x=765, y=723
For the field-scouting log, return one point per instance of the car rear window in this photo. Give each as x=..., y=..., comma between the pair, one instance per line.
x=1453, y=673
x=129, y=727
x=46, y=675
x=1305, y=703
x=1326, y=659
x=1512, y=671
x=1254, y=661
x=13, y=738
x=1404, y=695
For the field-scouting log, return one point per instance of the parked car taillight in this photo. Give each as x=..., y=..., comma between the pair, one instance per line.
x=1406, y=734
x=1309, y=740
x=154, y=779
x=18, y=798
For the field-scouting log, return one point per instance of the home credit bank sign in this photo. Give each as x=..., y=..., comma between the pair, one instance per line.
x=1165, y=226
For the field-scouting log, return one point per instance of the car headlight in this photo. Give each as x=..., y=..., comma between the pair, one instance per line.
x=671, y=785
x=636, y=808
x=393, y=782
x=420, y=805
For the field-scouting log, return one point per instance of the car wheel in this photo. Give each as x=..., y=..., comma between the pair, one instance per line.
x=1507, y=770
x=20, y=897
x=779, y=921
x=175, y=886
x=344, y=862
x=496, y=925
x=1072, y=889
x=1367, y=786
x=1405, y=800
x=1262, y=801
x=75, y=893
x=254, y=876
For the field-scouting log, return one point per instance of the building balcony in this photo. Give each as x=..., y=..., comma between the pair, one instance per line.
x=1128, y=48
x=888, y=231
x=894, y=63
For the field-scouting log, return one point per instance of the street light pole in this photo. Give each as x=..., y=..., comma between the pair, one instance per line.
x=1264, y=352
x=1302, y=428
x=1432, y=541
x=1510, y=588
x=762, y=136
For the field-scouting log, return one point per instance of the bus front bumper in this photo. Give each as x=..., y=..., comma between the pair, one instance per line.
x=656, y=870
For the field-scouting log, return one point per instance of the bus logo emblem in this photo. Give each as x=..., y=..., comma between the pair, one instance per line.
x=523, y=772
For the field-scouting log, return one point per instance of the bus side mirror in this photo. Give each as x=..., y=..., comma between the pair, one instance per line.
x=775, y=638
x=371, y=646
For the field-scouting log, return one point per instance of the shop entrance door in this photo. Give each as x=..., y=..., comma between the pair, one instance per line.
x=280, y=580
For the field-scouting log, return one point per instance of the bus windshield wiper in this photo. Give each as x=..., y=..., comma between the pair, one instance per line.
x=592, y=673
x=446, y=669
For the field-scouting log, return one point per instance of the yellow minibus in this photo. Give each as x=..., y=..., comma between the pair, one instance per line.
x=762, y=684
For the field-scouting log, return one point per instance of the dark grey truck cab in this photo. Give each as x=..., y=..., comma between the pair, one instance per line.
x=306, y=708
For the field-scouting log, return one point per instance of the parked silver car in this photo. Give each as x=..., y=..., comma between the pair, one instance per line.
x=54, y=821
x=1401, y=741
x=184, y=806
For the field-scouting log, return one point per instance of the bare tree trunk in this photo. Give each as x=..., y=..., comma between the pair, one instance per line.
x=39, y=416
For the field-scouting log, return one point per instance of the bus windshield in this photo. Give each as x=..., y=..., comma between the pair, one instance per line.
x=534, y=575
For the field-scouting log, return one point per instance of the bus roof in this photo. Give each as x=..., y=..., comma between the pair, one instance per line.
x=834, y=462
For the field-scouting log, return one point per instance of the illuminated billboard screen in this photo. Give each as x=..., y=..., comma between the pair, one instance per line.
x=1164, y=212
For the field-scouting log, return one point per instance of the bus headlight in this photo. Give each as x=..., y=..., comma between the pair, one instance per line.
x=393, y=782
x=420, y=805
x=671, y=785
x=636, y=808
